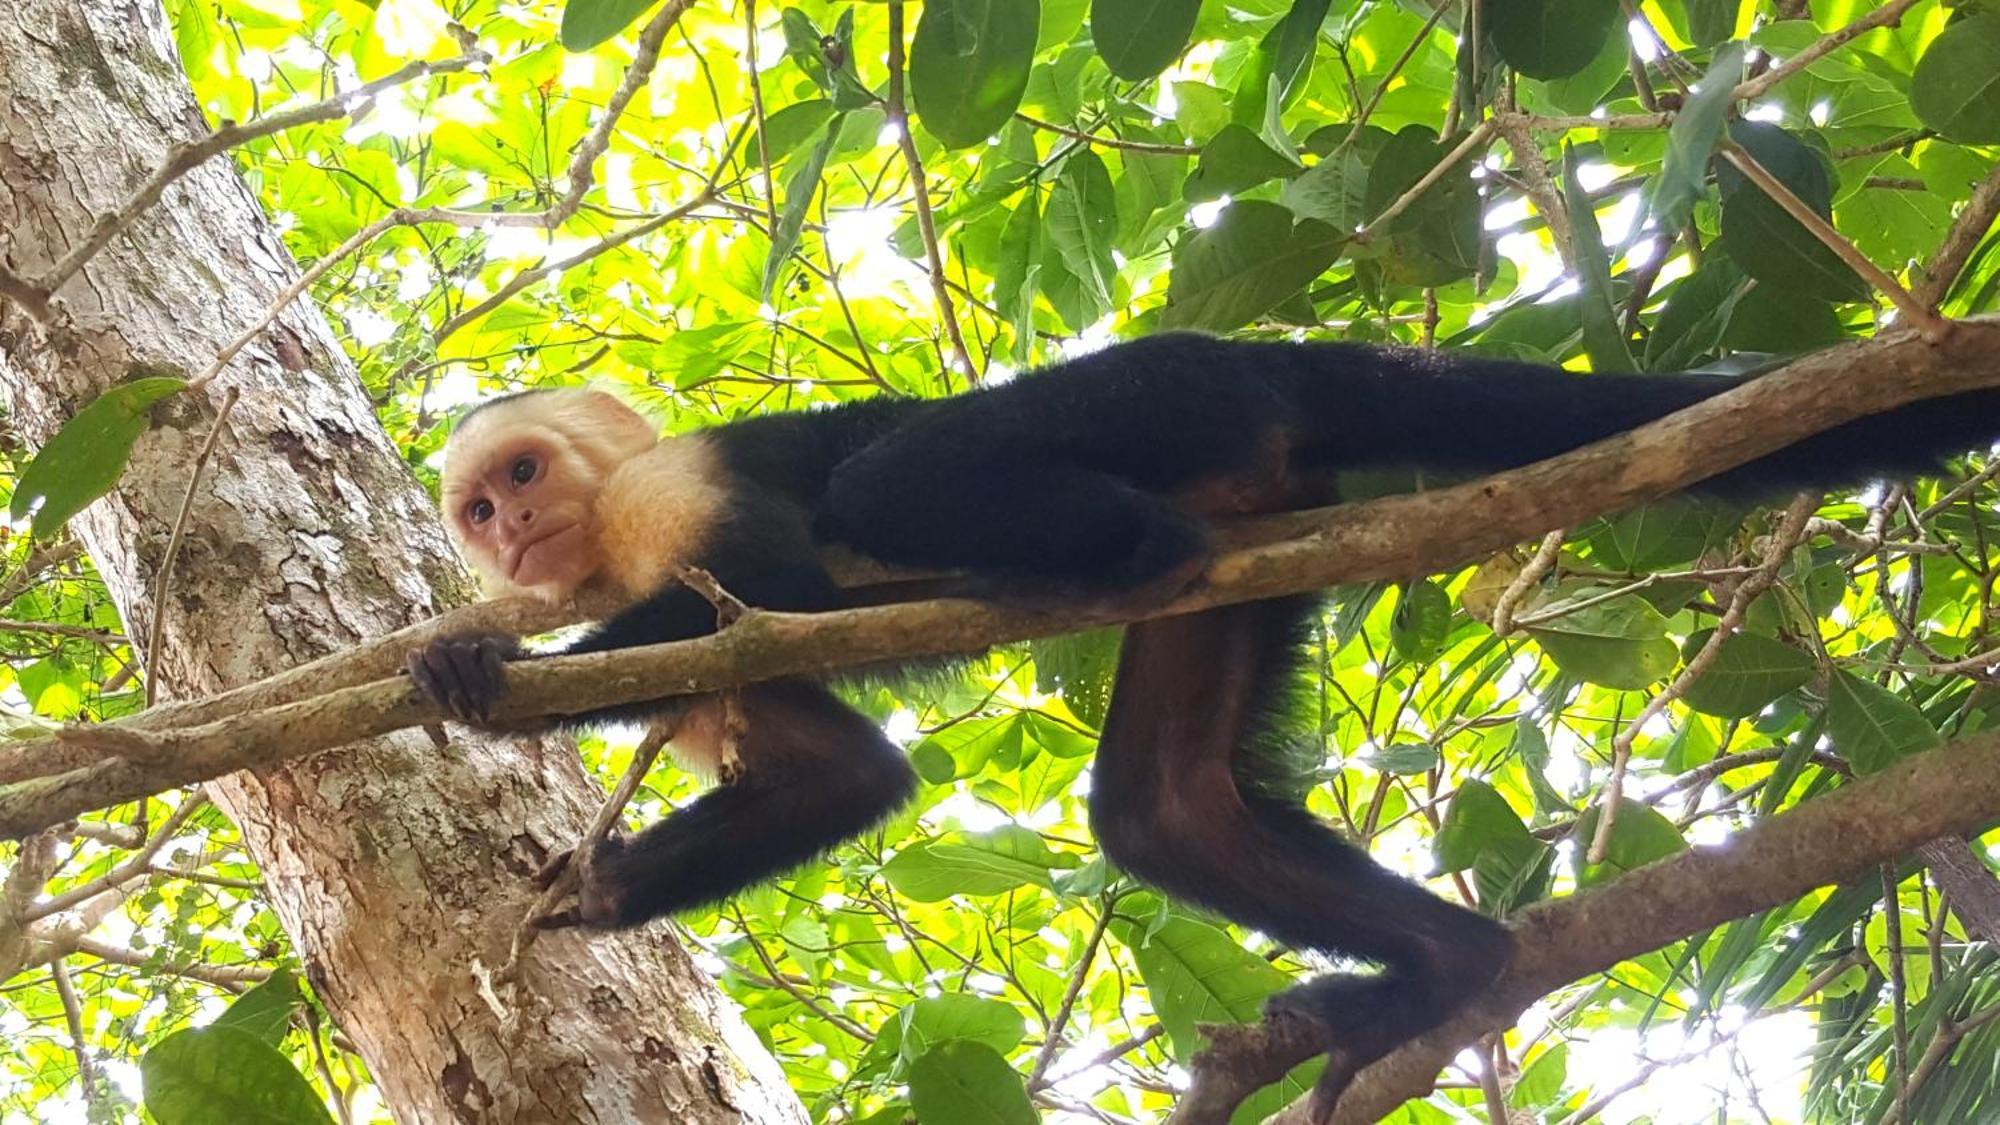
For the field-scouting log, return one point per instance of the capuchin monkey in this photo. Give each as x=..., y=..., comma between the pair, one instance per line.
x=1094, y=478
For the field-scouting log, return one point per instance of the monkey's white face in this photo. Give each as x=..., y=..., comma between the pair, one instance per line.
x=521, y=485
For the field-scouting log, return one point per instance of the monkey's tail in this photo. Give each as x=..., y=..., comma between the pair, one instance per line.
x=1454, y=413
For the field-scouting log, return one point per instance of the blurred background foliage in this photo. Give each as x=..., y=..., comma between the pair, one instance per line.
x=1516, y=178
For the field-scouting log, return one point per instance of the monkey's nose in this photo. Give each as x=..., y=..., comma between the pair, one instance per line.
x=527, y=515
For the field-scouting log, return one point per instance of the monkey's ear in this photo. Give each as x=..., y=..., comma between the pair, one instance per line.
x=613, y=422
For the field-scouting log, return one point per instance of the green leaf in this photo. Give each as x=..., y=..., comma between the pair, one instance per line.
x=85, y=458
x=1692, y=139
x=1712, y=21
x=586, y=23
x=1080, y=230
x=1620, y=644
x=1435, y=240
x=982, y=865
x=960, y=1082
x=1550, y=38
x=1422, y=621
x=1639, y=836
x=1956, y=88
x=1234, y=159
x=934, y=1020
x=1768, y=319
x=791, y=127
x=969, y=64
x=1872, y=727
x=1251, y=259
x=1690, y=327
x=1138, y=38
x=1404, y=758
x=1196, y=973
x=211, y=1074
x=1603, y=336
x=1749, y=672
x=1478, y=819
x=800, y=187
x=1335, y=190
x=266, y=1010
x=1771, y=246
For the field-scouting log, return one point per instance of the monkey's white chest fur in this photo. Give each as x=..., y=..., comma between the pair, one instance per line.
x=656, y=512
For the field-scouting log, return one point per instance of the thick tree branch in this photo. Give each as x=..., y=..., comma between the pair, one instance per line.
x=1403, y=535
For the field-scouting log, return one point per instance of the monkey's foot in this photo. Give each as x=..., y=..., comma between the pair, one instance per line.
x=600, y=893
x=465, y=675
x=1340, y=1008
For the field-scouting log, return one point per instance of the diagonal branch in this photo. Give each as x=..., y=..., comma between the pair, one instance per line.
x=1415, y=534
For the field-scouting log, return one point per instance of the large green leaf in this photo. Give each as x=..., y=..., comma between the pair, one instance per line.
x=1251, y=259
x=1749, y=673
x=1138, y=38
x=980, y=865
x=1871, y=726
x=586, y=23
x=1956, y=89
x=85, y=458
x=266, y=1010
x=1691, y=140
x=1232, y=160
x=969, y=64
x=1550, y=38
x=1639, y=835
x=800, y=187
x=209, y=1074
x=962, y=1082
x=1603, y=336
x=1421, y=622
x=1079, y=233
x=1196, y=973
x=1621, y=643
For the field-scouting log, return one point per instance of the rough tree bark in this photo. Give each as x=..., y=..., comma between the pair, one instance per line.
x=400, y=869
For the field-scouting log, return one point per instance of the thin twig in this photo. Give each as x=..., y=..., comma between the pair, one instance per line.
x=1081, y=970
x=1887, y=14
x=1537, y=567
x=57, y=629
x=1395, y=70
x=1973, y=221
x=1899, y=996
x=1107, y=142
x=535, y=273
x=1790, y=531
x=1916, y=312
x=757, y=112
x=563, y=881
x=86, y=1067
x=135, y=866
x=899, y=118
x=1473, y=140
x=161, y=580
x=185, y=156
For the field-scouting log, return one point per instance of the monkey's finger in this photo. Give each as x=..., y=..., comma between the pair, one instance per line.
x=425, y=679
x=463, y=659
x=493, y=666
x=445, y=686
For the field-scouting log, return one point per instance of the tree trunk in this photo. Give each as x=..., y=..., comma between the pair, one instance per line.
x=400, y=869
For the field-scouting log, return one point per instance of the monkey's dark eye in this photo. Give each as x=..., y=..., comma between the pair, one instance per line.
x=524, y=470
x=479, y=511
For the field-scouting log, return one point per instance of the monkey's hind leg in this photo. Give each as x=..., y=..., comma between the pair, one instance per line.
x=1192, y=693
x=814, y=773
